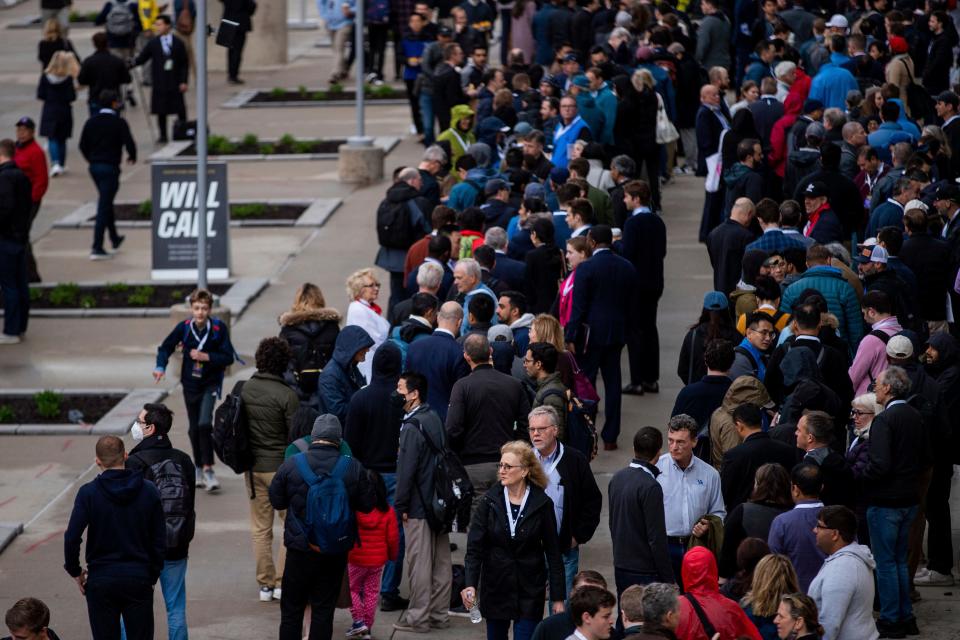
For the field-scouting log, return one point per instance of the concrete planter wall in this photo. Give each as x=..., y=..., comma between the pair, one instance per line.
x=117, y=421
x=170, y=153
x=243, y=100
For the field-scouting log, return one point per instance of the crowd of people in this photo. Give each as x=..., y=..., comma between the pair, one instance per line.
x=810, y=452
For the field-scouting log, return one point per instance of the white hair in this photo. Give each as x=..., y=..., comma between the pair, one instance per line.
x=429, y=275
x=496, y=238
x=408, y=174
x=434, y=153
x=470, y=267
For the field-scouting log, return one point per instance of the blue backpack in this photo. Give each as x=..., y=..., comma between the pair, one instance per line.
x=329, y=521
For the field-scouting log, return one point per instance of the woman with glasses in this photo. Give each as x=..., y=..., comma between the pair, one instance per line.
x=364, y=312
x=865, y=408
x=512, y=548
x=797, y=618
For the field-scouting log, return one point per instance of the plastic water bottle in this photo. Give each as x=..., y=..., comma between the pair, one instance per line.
x=475, y=616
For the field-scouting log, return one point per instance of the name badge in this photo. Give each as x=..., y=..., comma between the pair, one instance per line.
x=168, y=64
x=197, y=371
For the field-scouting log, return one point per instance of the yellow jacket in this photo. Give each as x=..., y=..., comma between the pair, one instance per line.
x=148, y=11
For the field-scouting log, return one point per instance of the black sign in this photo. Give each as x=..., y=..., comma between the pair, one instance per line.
x=175, y=221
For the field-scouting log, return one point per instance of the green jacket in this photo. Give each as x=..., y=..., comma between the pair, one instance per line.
x=602, y=206
x=269, y=405
x=547, y=395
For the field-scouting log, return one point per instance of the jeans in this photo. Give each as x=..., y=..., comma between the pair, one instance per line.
x=677, y=551
x=889, y=539
x=109, y=598
x=107, y=179
x=393, y=571
x=13, y=283
x=313, y=578
x=522, y=628
x=173, y=584
x=571, y=564
x=200, y=420
x=58, y=151
x=426, y=117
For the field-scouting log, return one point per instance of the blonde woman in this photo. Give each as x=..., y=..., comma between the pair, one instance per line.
x=773, y=578
x=53, y=39
x=363, y=288
x=512, y=548
x=797, y=618
x=57, y=92
x=311, y=329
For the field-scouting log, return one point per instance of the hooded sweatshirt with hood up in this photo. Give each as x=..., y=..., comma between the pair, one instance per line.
x=341, y=378
x=373, y=420
x=126, y=528
x=723, y=433
x=700, y=580
x=844, y=591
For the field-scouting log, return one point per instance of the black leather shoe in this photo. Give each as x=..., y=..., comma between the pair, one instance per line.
x=390, y=602
x=890, y=630
x=120, y=239
x=909, y=627
x=632, y=390
x=650, y=387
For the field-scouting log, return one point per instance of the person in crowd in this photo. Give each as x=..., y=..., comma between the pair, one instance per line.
x=544, y=267
x=204, y=342
x=57, y=92
x=513, y=550
x=30, y=159
x=338, y=19
x=54, y=39
x=313, y=573
x=691, y=490
x=714, y=323
x=15, y=208
x=122, y=515
x=512, y=311
x=701, y=398
x=773, y=578
x=169, y=68
x=797, y=618
x=104, y=138
x=750, y=551
x=569, y=128
x=560, y=626
x=440, y=358
x=439, y=249
x=311, y=329
x=773, y=240
x=363, y=288
x=341, y=378
x=843, y=589
x=570, y=485
x=102, y=71
x=711, y=123
x=508, y=270
x=871, y=357
x=754, y=350
x=928, y=258
x=241, y=12
x=450, y=101
x=540, y=365
x=820, y=440
x=29, y=618
x=792, y=533
x=757, y=448
x=700, y=586
x=592, y=608
x=727, y=243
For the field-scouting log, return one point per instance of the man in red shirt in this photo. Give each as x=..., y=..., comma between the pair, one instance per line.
x=30, y=158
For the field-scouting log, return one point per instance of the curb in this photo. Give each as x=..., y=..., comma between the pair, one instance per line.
x=9, y=531
x=243, y=100
x=116, y=422
x=170, y=152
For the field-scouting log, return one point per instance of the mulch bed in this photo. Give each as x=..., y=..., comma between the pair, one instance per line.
x=306, y=146
x=92, y=407
x=328, y=96
x=269, y=212
x=110, y=296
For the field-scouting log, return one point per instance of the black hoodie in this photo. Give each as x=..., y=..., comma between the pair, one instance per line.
x=372, y=428
x=126, y=528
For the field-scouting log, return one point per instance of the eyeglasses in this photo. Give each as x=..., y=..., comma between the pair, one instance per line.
x=858, y=413
x=824, y=527
x=765, y=333
x=503, y=466
x=539, y=429
x=775, y=264
x=372, y=285
x=528, y=360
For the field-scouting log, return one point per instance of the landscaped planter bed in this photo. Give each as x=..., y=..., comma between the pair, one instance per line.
x=49, y=407
x=251, y=148
x=336, y=96
x=238, y=211
x=113, y=295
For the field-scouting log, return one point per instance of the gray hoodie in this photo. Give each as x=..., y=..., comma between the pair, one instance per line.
x=843, y=591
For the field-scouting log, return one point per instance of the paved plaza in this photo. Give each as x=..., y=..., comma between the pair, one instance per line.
x=39, y=475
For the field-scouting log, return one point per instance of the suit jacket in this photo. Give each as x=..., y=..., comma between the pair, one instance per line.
x=509, y=271
x=726, y=245
x=740, y=465
x=599, y=287
x=709, y=128
x=645, y=246
x=952, y=131
x=240, y=11
x=544, y=268
x=165, y=97
x=445, y=283
x=439, y=358
x=766, y=111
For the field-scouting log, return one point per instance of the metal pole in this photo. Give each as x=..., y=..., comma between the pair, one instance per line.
x=361, y=139
x=201, y=48
x=303, y=11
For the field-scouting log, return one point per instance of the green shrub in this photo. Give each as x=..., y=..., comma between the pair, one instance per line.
x=36, y=294
x=319, y=95
x=140, y=297
x=145, y=209
x=382, y=91
x=278, y=92
x=250, y=140
x=64, y=295
x=220, y=145
x=88, y=301
x=336, y=87
x=248, y=210
x=286, y=140
x=48, y=403
x=177, y=294
x=6, y=414
x=267, y=148
x=117, y=287
x=303, y=146
x=302, y=90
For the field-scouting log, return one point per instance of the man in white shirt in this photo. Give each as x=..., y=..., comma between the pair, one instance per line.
x=691, y=489
x=592, y=610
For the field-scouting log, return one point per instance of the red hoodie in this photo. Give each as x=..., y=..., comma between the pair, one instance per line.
x=379, y=539
x=792, y=107
x=33, y=162
x=699, y=571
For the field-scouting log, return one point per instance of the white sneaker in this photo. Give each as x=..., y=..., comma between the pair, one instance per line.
x=266, y=594
x=100, y=255
x=934, y=579
x=200, y=482
x=921, y=572
x=55, y=170
x=5, y=339
x=210, y=480
x=277, y=593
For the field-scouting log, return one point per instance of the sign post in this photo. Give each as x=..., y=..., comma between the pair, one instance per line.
x=176, y=223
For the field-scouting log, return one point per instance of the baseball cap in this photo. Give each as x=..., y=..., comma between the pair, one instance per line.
x=534, y=190
x=26, y=122
x=523, y=128
x=815, y=190
x=948, y=97
x=900, y=347
x=571, y=57
x=446, y=32
x=559, y=175
x=948, y=191
x=809, y=106
x=917, y=204
x=715, y=301
x=495, y=186
x=876, y=253
x=838, y=21
x=581, y=81
x=815, y=130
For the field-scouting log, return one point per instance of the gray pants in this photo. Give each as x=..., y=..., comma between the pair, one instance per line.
x=62, y=16
x=689, y=138
x=429, y=567
x=482, y=475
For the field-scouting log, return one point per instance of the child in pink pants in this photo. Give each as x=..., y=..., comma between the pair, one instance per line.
x=379, y=541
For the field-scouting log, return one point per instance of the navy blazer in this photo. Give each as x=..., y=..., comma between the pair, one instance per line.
x=709, y=129
x=445, y=283
x=509, y=271
x=645, y=246
x=601, y=287
x=439, y=357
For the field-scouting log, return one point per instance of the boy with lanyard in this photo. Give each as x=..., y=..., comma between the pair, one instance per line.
x=207, y=352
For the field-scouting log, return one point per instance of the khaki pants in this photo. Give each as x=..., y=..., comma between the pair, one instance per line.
x=429, y=567
x=261, y=531
x=482, y=476
x=188, y=43
x=340, y=40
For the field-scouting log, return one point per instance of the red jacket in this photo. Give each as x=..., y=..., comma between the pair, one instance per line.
x=792, y=107
x=699, y=571
x=379, y=539
x=33, y=162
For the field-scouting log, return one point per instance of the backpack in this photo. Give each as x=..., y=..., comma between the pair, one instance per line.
x=328, y=523
x=308, y=355
x=481, y=197
x=119, y=19
x=753, y=361
x=167, y=475
x=184, y=24
x=395, y=224
x=231, y=437
x=917, y=98
x=452, y=490
x=581, y=430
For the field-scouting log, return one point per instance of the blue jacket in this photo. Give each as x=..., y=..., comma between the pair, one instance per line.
x=464, y=194
x=757, y=69
x=541, y=36
x=481, y=289
x=775, y=241
x=439, y=358
x=217, y=346
x=888, y=214
x=905, y=123
x=125, y=525
x=832, y=82
x=562, y=138
x=841, y=300
x=412, y=46
x=332, y=14
x=664, y=86
x=589, y=109
x=889, y=133
x=607, y=103
x=509, y=271
x=599, y=287
x=341, y=378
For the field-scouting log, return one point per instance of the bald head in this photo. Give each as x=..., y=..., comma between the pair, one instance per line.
x=710, y=95
x=743, y=211
x=450, y=317
x=853, y=134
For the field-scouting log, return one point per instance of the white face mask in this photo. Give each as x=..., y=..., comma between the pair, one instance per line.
x=136, y=432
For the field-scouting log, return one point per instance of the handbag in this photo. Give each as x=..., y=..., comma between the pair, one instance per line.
x=666, y=132
x=715, y=167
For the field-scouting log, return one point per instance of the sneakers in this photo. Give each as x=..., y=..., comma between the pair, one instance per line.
x=5, y=339
x=211, y=482
x=933, y=579
x=120, y=239
x=56, y=170
x=200, y=482
x=392, y=602
x=277, y=592
x=100, y=255
x=371, y=77
x=357, y=630
x=266, y=594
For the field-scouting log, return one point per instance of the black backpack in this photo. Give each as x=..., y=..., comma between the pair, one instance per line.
x=309, y=355
x=581, y=429
x=918, y=98
x=452, y=490
x=395, y=224
x=231, y=436
x=174, y=489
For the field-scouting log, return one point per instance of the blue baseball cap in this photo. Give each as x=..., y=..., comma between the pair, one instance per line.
x=559, y=175
x=715, y=301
